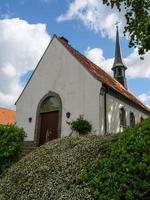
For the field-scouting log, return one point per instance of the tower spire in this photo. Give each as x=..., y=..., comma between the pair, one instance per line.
x=118, y=66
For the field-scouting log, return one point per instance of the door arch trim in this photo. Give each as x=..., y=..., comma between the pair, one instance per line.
x=37, y=122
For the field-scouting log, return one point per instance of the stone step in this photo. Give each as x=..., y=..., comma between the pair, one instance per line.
x=26, y=151
x=28, y=148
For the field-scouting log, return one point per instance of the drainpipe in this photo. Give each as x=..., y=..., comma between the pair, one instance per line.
x=103, y=92
x=105, y=110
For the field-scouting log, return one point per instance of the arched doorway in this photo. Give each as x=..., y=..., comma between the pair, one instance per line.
x=49, y=118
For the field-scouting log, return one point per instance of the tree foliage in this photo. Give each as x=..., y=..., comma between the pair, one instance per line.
x=137, y=14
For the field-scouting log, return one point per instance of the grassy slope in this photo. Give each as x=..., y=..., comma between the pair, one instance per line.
x=52, y=172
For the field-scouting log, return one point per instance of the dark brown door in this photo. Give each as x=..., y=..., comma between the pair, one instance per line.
x=49, y=126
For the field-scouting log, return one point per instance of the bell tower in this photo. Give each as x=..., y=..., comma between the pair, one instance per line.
x=119, y=67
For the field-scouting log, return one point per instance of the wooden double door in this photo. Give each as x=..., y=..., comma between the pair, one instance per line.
x=48, y=126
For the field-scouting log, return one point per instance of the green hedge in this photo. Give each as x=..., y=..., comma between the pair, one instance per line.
x=124, y=173
x=11, y=143
x=52, y=171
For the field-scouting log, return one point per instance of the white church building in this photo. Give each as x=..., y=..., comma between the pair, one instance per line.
x=65, y=84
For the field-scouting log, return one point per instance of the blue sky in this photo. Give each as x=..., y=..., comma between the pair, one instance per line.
x=26, y=27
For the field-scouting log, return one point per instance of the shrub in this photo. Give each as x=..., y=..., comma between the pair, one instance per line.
x=11, y=143
x=53, y=170
x=123, y=174
x=81, y=125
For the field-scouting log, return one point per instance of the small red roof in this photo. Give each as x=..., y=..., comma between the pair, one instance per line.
x=101, y=75
x=7, y=116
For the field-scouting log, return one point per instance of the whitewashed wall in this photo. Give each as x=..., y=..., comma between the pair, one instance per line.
x=113, y=121
x=61, y=73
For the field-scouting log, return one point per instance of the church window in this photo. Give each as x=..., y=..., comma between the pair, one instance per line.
x=132, y=119
x=115, y=73
x=49, y=104
x=122, y=115
x=119, y=72
x=141, y=119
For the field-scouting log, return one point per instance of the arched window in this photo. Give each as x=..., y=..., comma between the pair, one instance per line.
x=122, y=115
x=49, y=104
x=141, y=119
x=132, y=119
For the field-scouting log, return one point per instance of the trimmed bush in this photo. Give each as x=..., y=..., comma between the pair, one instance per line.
x=52, y=171
x=80, y=125
x=11, y=143
x=124, y=173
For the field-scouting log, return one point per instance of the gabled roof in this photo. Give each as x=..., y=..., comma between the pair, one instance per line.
x=96, y=71
x=7, y=116
x=101, y=75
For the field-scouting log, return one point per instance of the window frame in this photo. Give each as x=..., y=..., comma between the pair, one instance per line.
x=132, y=119
x=122, y=117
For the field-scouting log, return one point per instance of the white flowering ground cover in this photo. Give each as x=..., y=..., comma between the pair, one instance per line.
x=53, y=171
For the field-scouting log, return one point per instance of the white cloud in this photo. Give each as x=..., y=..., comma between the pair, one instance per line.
x=145, y=98
x=9, y=70
x=137, y=68
x=96, y=56
x=94, y=15
x=22, y=44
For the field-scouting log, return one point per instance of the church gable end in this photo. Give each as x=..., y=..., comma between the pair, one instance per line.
x=78, y=82
x=60, y=72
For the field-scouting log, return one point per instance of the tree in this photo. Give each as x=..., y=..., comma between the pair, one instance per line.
x=137, y=14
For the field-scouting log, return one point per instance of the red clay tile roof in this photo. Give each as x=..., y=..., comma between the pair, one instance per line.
x=7, y=116
x=102, y=76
